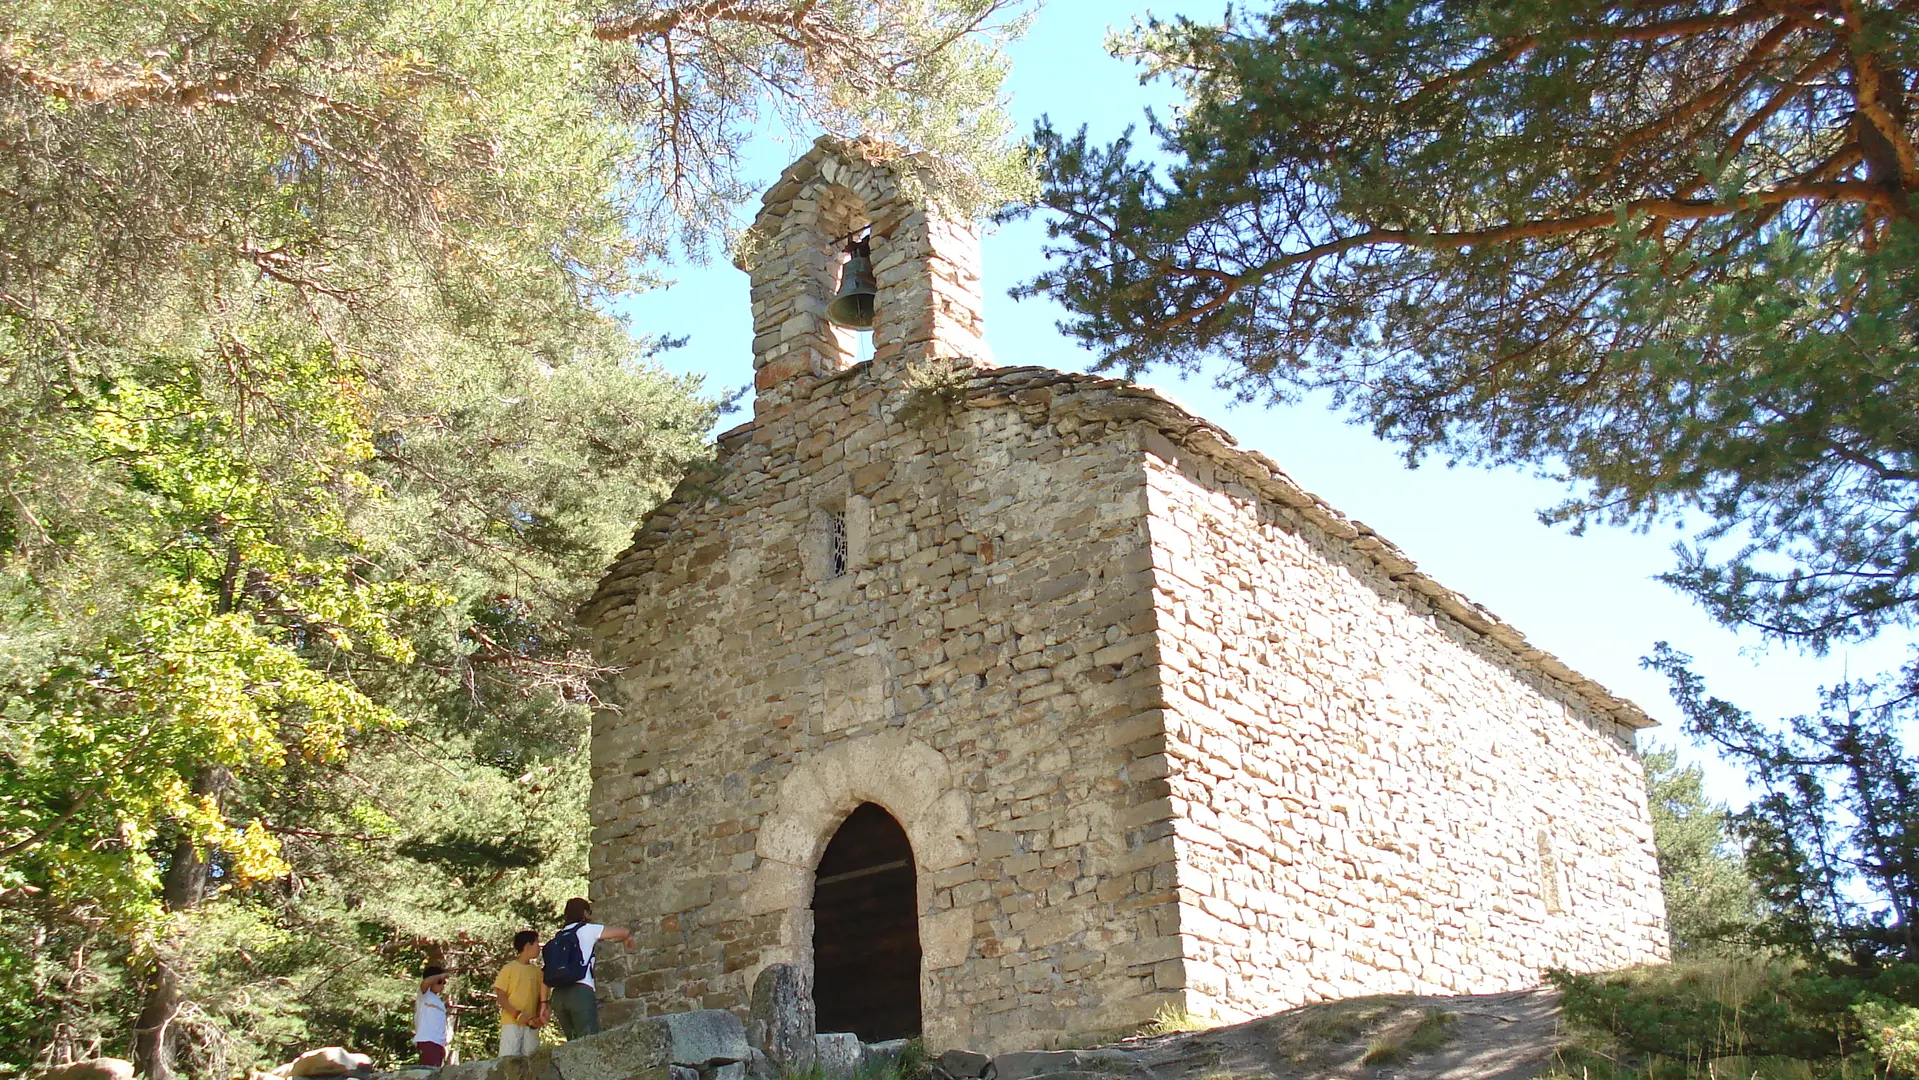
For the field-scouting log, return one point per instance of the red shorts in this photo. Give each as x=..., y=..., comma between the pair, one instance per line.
x=431, y=1054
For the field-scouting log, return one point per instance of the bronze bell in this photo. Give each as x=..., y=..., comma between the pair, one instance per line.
x=852, y=306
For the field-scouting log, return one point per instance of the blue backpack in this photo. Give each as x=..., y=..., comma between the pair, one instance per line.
x=561, y=958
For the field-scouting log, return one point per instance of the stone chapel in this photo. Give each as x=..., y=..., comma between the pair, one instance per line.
x=1016, y=705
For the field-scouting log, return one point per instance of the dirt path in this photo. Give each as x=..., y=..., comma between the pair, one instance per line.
x=1482, y=1037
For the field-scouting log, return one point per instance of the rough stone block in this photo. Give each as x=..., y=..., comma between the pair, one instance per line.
x=880, y=1055
x=705, y=1037
x=535, y=1066
x=837, y=1053
x=964, y=1064
x=1110, y=1061
x=635, y=1051
x=781, y=1021
x=620, y=1011
x=1025, y=1063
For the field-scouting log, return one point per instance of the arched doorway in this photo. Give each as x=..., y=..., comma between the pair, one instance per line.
x=866, y=934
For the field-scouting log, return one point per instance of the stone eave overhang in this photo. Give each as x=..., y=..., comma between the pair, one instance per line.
x=1063, y=395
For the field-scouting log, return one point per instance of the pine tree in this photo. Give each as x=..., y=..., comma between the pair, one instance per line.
x=1665, y=250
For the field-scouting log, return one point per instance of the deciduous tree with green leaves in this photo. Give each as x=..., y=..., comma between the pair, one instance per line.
x=314, y=431
x=1709, y=898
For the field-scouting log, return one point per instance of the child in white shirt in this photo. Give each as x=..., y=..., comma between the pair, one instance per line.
x=429, y=1017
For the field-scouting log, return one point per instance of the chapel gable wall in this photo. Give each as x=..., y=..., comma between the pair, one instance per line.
x=983, y=668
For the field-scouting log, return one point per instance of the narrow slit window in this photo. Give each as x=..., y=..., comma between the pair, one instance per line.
x=835, y=543
x=1549, y=883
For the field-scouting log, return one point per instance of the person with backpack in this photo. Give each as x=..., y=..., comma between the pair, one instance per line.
x=567, y=961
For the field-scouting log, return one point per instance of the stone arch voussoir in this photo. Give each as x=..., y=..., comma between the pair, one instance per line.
x=909, y=779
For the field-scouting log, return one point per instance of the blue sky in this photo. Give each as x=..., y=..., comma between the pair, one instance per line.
x=1590, y=599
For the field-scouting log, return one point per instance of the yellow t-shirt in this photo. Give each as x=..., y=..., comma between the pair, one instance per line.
x=521, y=981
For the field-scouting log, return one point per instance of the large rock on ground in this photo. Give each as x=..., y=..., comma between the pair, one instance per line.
x=964, y=1064
x=781, y=1024
x=1059, y=1064
x=637, y=1051
x=647, y=1049
x=702, y=1038
x=875, y=1057
x=837, y=1053
x=1025, y=1063
x=535, y=1066
x=1110, y=1061
x=330, y=1061
x=92, y=1069
x=473, y=1070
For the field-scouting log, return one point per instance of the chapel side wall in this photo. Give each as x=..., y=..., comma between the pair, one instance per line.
x=1367, y=797
x=997, y=608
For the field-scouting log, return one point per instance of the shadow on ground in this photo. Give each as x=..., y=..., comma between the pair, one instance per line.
x=1481, y=1037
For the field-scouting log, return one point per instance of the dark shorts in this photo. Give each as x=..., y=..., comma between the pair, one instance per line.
x=432, y=1054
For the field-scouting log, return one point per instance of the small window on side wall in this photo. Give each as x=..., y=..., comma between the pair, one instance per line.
x=825, y=550
x=1551, y=885
x=835, y=543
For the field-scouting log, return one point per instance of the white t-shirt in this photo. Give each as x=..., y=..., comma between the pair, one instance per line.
x=589, y=936
x=429, y=1018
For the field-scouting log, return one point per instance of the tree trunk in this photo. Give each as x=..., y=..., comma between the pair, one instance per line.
x=185, y=887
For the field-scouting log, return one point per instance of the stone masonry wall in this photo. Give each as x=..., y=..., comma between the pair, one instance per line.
x=1366, y=797
x=982, y=669
x=1160, y=727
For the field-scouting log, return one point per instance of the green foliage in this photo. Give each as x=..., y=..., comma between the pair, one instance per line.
x=1709, y=898
x=1662, y=251
x=1665, y=251
x=314, y=434
x=918, y=77
x=1832, y=843
x=1721, y=1017
x=934, y=389
x=1892, y=1030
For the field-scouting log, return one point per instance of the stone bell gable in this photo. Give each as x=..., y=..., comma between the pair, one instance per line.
x=1016, y=705
x=926, y=263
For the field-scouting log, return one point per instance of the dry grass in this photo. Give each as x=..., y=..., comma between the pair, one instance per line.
x=1174, y=1018
x=1409, y=1037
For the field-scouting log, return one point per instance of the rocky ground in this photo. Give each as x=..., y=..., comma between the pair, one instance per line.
x=1486, y=1037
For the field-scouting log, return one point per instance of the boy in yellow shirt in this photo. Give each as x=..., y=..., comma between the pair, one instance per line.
x=522, y=997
